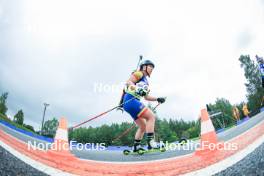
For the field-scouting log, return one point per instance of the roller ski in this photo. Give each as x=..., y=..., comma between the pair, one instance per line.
x=153, y=147
x=140, y=151
x=143, y=151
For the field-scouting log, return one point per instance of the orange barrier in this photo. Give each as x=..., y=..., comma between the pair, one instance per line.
x=208, y=135
x=60, y=151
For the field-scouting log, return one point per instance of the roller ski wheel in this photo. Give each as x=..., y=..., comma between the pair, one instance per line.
x=140, y=151
x=163, y=149
x=183, y=141
x=126, y=152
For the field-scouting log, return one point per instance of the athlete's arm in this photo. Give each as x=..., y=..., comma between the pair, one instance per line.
x=131, y=83
x=135, y=77
x=160, y=99
x=150, y=98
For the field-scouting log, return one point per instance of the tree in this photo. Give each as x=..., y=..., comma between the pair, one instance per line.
x=3, y=108
x=194, y=131
x=19, y=117
x=50, y=127
x=165, y=130
x=224, y=106
x=254, y=88
x=31, y=128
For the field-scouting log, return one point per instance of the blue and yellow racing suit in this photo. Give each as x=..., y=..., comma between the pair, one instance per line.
x=134, y=107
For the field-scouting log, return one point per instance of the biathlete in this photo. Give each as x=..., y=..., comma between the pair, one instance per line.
x=136, y=88
x=261, y=68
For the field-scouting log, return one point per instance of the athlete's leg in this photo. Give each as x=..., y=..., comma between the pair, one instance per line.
x=150, y=126
x=144, y=118
x=150, y=120
x=141, y=123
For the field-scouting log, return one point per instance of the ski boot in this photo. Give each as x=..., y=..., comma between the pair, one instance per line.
x=153, y=145
x=137, y=149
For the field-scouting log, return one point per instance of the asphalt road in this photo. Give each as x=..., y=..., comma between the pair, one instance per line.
x=10, y=165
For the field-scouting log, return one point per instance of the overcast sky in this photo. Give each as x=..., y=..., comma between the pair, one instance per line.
x=61, y=52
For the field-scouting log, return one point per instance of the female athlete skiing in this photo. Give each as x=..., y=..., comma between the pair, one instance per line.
x=136, y=88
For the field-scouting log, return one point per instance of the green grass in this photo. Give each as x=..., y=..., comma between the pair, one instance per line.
x=6, y=119
x=3, y=117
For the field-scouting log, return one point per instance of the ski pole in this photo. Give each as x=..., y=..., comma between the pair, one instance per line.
x=156, y=106
x=124, y=133
x=99, y=115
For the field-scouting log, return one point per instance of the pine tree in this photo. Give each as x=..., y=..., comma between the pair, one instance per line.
x=254, y=88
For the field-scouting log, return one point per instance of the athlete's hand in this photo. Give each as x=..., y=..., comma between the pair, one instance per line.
x=142, y=89
x=161, y=99
x=141, y=92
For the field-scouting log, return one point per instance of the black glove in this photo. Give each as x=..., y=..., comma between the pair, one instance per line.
x=161, y=99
